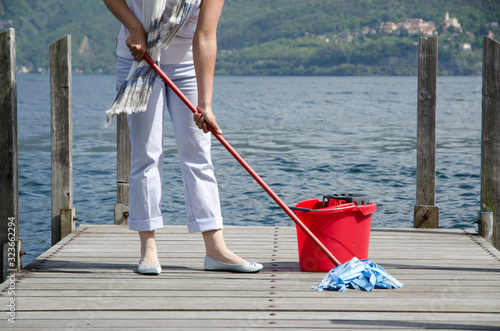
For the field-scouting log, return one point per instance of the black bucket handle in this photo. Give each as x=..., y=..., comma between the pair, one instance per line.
x=358, y=199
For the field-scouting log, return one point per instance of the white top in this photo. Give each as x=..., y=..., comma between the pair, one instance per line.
x=180, y=50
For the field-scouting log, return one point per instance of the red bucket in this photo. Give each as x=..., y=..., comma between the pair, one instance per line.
x=344, y=229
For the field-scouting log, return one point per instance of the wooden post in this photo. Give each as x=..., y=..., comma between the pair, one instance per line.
x=490, y=146
x=426, y=213
x=486, y=226
x=123, y=169
x=62, y=139
x=9, y=189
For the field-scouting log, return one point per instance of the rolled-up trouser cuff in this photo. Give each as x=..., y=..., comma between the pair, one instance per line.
x=146, y=225
x=205, y=225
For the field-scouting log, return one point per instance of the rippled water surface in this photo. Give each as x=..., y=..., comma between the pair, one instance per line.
x=305, y=136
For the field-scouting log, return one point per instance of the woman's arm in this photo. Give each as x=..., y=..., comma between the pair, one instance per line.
x=204, y=54
x=137, y=40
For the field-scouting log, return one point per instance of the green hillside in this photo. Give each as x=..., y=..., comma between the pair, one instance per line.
x=39, y=23
x=277, y=37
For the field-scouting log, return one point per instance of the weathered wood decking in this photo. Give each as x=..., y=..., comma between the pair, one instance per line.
x=451, y=281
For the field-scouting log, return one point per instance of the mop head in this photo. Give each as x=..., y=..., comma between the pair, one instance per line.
x=362, y=274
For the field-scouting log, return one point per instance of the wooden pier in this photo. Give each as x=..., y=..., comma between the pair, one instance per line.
x=88, y=280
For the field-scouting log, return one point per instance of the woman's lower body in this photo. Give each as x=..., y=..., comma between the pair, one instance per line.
x=200, y=186
x=146, y=136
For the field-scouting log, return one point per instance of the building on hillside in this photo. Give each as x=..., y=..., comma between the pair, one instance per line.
x=451, y=22
x=465, y=46
x=410, y=26
x=344, y=37
x=367, y=30
x=388, y=27
x=418, y=25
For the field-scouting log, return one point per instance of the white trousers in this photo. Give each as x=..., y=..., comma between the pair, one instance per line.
x=146, y=172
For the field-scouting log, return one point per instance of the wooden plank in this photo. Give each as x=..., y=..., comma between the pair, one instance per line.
x=243, y=320
x=256, y=321
x=273, y=323
x=303, y=293
x=322, y=302
x=61, y=134
x=426, y=214
x=9, y=187
x=413, y=275
x=130, y=315
x=490, y=142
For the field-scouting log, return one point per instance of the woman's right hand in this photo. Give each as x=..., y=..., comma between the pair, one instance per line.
x=137, y=43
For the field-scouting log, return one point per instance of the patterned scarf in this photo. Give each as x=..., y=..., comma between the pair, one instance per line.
x=134, y=93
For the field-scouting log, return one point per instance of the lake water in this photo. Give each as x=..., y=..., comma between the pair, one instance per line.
x=305, y=136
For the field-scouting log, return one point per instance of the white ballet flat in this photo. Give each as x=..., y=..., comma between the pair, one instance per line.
x=149, y=270
x=214, y=265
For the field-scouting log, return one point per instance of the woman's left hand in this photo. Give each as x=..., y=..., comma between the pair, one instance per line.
x=205, y=116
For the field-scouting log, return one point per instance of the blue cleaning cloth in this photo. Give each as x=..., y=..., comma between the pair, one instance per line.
x=362, y=274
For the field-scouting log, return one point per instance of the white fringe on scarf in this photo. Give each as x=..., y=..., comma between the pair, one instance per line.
x=134, y=93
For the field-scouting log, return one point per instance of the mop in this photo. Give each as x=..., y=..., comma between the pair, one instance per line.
x=357, y=274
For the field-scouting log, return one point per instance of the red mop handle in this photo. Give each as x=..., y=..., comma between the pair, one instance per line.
x=245, y=165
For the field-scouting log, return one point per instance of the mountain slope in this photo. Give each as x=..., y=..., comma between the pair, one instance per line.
x=278, y=37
